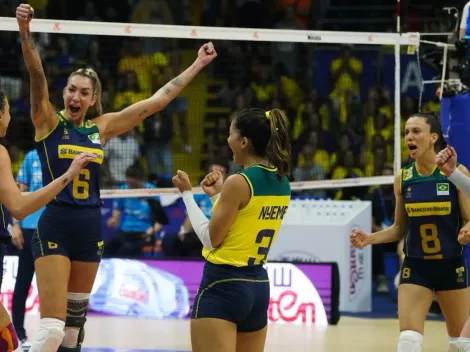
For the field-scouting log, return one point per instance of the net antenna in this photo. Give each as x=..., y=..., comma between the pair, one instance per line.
x=241, y=34
x=446, y=46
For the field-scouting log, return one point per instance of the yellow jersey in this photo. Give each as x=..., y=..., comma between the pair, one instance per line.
x=256, y=226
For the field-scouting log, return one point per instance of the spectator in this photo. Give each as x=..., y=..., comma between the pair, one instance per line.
x=137, y=219
x=310, y=171
x=121, y=152
x=158, y=133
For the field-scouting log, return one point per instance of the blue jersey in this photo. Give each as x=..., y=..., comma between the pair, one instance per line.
x=136, y=213
x=4, y=221
x=30, y=175
x=57, y=151
x=433, y=210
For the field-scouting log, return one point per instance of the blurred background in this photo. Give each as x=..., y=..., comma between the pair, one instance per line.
x=339, y=99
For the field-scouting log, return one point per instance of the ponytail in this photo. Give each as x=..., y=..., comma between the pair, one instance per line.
x=278, y=151
x=97, y=109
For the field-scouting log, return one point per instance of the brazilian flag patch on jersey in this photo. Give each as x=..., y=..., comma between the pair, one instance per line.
x=442, y=189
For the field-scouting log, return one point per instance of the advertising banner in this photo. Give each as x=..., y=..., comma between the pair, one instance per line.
x=300, y=293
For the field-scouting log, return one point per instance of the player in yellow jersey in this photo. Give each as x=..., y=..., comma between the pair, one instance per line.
x=230, y=309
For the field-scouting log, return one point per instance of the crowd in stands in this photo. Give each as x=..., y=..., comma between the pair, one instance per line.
x=343, y=134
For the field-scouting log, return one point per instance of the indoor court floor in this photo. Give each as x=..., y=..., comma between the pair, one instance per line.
x=128, y=334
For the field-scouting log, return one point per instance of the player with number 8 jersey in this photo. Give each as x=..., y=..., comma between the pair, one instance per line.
x=431, y=203
x=429, y=213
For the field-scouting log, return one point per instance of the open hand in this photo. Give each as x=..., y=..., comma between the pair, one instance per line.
x=79, y=162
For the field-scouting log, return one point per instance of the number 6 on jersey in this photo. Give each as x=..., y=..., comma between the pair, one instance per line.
x=81, y=188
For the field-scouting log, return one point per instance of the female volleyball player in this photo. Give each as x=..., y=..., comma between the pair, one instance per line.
x=230, y=309
x=428, y=215
x=22, y=205
x=68, y=246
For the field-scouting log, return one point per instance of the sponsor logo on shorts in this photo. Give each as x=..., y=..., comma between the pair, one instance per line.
x=460, y=274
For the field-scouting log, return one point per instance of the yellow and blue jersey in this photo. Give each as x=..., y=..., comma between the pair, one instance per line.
x=57, y=151
x=256, y=226
x=434, y=220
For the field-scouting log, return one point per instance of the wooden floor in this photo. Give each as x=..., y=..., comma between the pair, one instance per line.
x=351, y=334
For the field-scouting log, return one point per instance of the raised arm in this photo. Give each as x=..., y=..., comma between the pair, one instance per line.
x=22, y=205
x=42, y=113
x=116, y=123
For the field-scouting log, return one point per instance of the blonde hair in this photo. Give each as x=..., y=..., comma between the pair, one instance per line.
x=97, y=109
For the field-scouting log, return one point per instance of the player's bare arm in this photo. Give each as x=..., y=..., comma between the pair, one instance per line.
x=42, y=114
x=22, y=205
x=116, y=123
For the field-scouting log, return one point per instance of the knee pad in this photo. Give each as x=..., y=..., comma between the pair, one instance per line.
x=49, y=335
x=77, y=306
x=410, y=341
x=8, y=339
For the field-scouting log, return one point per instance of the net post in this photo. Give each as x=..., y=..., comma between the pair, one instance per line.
x=444, y=71
x=398, y=17
x=397, y=133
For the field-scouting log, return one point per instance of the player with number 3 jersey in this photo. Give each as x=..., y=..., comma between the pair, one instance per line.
x=231, y=306
x=429, y=213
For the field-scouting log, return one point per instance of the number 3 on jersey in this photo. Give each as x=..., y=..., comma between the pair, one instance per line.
x=262, y=250
x=80, y=185
x=429, y=241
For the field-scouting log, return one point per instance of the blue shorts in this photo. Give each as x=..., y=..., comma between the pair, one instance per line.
x=436, y=275
x=71, y=231
x=239, y=295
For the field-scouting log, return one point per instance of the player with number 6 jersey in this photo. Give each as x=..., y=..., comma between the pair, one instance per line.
x=429, y=213
x=67, y=245
x=230, y=312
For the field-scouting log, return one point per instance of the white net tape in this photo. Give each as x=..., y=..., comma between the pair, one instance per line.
x=239, y=34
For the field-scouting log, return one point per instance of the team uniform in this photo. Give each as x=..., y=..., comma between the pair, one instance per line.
x=235, y=285
x=71, y=223
x=433, y=256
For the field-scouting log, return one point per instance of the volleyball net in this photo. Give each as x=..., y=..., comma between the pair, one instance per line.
x=342, y=91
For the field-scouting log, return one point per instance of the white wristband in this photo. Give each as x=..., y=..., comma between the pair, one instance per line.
x=461, y=180
x=214, y=197
x=198, y=220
